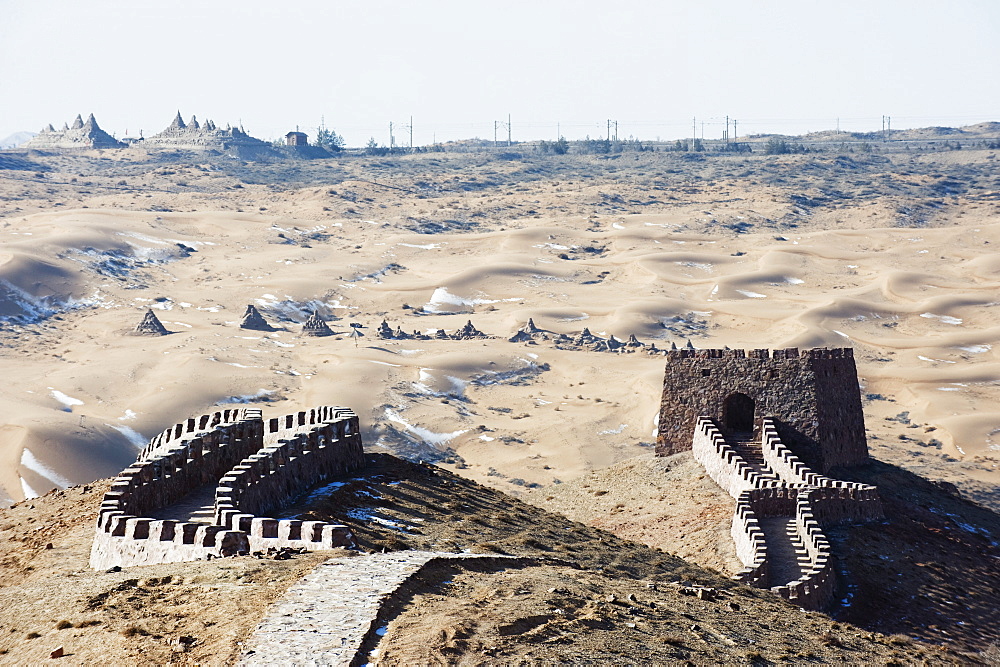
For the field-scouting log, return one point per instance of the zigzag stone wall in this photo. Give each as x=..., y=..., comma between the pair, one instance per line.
x=813, y=500
x=186, y=458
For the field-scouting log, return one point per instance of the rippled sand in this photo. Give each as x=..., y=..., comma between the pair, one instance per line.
x=919, y=305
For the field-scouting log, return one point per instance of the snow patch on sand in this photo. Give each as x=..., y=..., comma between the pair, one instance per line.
x=423, y=434
x=442, y=301
x=947, y=319
x=137, y=439
x=67, y=401
x=29, y=461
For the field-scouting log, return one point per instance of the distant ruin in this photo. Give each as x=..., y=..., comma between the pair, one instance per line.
x=204, y=487
x=316, y=326
x=756, y=420
x=81, y=134
x=197, y=136
x=252, y=319
x=150, y=326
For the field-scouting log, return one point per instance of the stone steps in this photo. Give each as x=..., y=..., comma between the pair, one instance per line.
x=786, y=553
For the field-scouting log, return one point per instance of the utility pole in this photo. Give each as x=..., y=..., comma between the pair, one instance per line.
x=392, y=140
x=558, y=133
x=496, y=123
x=411, y=134
x=509, y=142
x=608, y=133
x=838, y=124
x=725, y=135
x=888, y=125
x=736, y=135
x=616, y=130
x=694, y=129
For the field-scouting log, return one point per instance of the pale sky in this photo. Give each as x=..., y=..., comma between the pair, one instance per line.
x=457, y=67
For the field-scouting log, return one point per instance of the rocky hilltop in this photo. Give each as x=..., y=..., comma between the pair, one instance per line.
x=196, y=136
x=81, y=134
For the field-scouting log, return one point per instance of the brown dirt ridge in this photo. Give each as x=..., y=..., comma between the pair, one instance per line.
x=582, y=594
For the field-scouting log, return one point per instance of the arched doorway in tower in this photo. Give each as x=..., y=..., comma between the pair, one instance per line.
x=738, y=413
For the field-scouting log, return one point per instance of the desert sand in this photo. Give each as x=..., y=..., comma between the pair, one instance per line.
x=897, y=257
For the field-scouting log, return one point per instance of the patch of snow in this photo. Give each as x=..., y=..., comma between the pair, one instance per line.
x=28, y=492
x=67, y=401
x=262, y=394
x=429, y=246
x=947, y=319
x=613, y=431
x=137, y=439
x=29, y=461
x=976, y=349
x=752, y=295
x=704, y=266
x=425, y=435
x=942, y=361
x=441, y=298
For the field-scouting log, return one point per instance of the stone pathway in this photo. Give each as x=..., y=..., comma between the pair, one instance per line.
x=197, y=506
x=324, y=618
x=784, y=549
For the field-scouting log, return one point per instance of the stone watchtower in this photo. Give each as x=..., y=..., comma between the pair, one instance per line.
x=813, y=396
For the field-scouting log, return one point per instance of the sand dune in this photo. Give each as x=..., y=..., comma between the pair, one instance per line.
x=918, y=306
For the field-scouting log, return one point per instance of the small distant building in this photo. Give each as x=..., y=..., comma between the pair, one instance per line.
x=296, y=139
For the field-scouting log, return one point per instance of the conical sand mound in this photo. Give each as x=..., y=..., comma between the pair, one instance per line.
x=150, y=326
x=252, y=319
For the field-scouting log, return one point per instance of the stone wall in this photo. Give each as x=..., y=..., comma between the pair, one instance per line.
x=186, y=429
x=721, y=461
x=277, y=474
x=751, y=545
x=185, y=458
x=813, y=396
x=836, y=501
x=784, y=488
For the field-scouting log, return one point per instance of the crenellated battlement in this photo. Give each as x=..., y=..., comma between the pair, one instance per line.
x=786, y=353
x=782, y=496
x=228, y=445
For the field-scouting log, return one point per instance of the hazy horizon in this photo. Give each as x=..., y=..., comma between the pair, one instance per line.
x=660, y=70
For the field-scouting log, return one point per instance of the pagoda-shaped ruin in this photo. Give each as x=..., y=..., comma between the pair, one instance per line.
x=206, y=136
x=150, y=326
x=81, y=134
x=315, y=326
